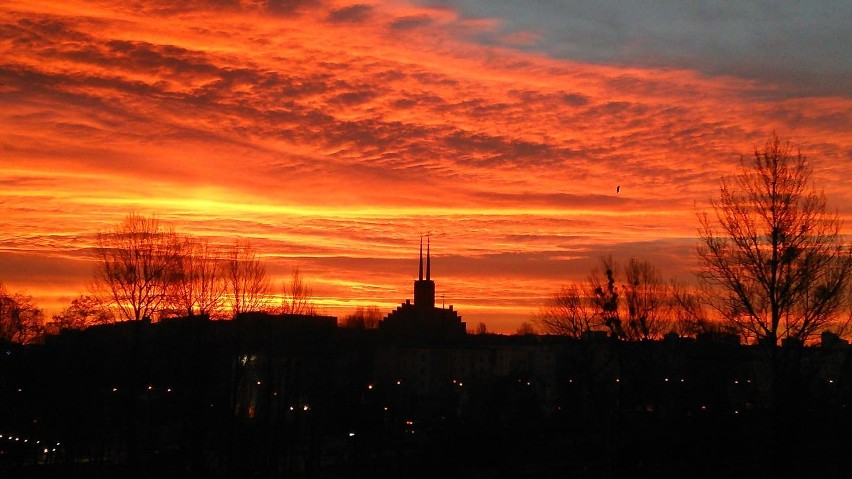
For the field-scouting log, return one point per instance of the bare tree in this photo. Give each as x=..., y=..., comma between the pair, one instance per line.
x=605, y=296
x=84, y=311
x=21, y=321
x=363, y=318
x=779, y=267
x=481, y=329
x=688, y=311
x=776, y=259
x=525, y=329
x=199, y=286
x=637, y=310
x=246, y=284
x=646, y=298
x=297, y=296
x=135, y=264
x=568, y=313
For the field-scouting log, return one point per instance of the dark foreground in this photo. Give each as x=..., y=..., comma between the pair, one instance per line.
x=641, y=446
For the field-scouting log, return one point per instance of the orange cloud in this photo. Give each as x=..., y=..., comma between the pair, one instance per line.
x=335, y=133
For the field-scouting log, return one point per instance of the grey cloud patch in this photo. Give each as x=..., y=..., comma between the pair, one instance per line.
x=352, y=14
x=568, y=200
x=802, y=45
x=574, y=99
x=353, y=98
x=421, y=100
x=40, y=268
x=487, y=150
x=290, y=7
x=411, y=22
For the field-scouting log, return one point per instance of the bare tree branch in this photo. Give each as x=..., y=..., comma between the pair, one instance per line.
x=247, y=286
x=136, y=263
x=775, y=258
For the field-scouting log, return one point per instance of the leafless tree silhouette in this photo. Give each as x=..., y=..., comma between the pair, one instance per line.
x=247, y=286
x=135, y=264
x=199, y=286
x=777, y=261
x=569, y=313
x=778, y=267
x=646, y=296
x=84, y=311
x=605, y=296
x=297, y=296
x=21, y=321
x=525, y=328
x=364, y=317
x=689, y=311
x=638, y=309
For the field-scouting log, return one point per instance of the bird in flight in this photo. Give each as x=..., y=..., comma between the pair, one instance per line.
x=618, y=188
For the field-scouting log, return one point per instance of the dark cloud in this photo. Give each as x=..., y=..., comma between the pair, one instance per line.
x=574, y=99
x=44, y=269
x=421, y=100
x=353, y=98
x=606, y=200
x=351, y=14
x=411, y=22
x=484, y=150
x=290, y=7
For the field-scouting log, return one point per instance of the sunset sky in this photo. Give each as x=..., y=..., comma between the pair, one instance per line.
x=332, y=134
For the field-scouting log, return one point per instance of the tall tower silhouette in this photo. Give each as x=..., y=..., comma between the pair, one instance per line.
x=420, y=320
x=424, y=289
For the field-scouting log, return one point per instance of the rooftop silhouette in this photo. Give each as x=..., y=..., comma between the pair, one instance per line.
x=422, y=320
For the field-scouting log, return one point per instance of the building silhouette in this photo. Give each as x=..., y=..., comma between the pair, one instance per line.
x=422, y=321
x=296, y=396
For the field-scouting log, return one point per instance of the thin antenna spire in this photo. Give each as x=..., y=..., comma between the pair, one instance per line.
x=421, y=259
x=428, y=258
